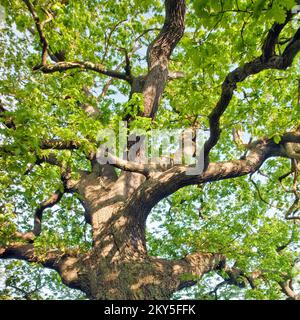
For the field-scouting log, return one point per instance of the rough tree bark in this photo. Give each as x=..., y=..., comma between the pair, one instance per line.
x=117, y=207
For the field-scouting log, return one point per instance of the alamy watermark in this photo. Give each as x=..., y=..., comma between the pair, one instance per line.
x=296, y=9
x=157, y=148
x=2, y=15
x=295, y=22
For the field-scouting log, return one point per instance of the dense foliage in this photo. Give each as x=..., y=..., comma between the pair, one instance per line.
x=244, y=218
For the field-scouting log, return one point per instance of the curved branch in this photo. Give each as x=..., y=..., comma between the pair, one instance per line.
x=40, y=29
x=38, y=216
x=259, y=193
x=68, y=265
x=239, y=278
x=64, y=65
x=175, y=275
x=26, y=252
x=268, y=60
x=162, y=47
x=272, y=38
x=288, y=290
x=163, y=184
x=128, y=165
x=292, y=49
x=158, y=55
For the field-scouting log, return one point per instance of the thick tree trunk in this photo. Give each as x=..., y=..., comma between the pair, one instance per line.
x=137, y=276
x=118, y=266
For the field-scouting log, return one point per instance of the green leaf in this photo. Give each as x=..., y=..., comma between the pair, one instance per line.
x=277, y=139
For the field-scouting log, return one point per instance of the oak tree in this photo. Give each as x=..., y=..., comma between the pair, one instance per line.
x=126, y=230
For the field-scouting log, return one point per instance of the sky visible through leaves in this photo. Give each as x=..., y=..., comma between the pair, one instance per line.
x=243, y=218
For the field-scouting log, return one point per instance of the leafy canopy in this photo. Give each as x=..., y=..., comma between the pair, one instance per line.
x=242, y=219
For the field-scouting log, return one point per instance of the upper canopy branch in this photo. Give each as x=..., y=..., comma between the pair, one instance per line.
x=63, y=65
x=38, y=216
x=271, y=41
x=268, y=60
x=158, y=55
x=238, y=277
x=56, y=144
x=40, y=28
x=162, y=47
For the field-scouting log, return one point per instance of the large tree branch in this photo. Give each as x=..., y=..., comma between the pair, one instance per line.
x=272, y=38
x=162, y=47
x=68, y=264
x=178, y=274
x=291, y=50
x=268, y=60
x=145, y=169
x=163, y=184
x=158, y=55
x=128, y=165
x=189, y=271
x=63, y=65
x=26, y=252
x=60, y=144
